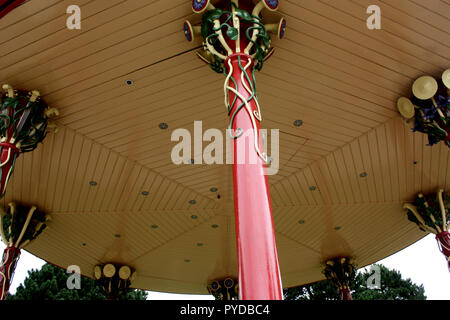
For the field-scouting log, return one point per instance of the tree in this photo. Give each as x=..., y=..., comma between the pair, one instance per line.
x=50, y=283
x=392, y=287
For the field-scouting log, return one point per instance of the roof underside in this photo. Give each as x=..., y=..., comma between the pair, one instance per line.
x=333, y=73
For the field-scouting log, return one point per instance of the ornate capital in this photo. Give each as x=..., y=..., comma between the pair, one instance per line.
x=236, y=27
x=114, y=279
x=429, y=108
x=341, y=272
x=224, y=289
x=19, y=226
x=431, y=213
x=24, y=123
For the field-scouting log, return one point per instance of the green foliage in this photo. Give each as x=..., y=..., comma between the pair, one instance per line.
x=50, y=283
x=323, y=290
x=393, y=287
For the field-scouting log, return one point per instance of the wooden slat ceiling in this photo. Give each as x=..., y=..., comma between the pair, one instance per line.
x=333, y=73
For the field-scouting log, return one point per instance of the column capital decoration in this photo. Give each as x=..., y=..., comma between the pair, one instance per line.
x=24, y=123
x=113, y=278
x=341, y=272
x=19, y=226
x=429, y=108
x=234, y=29
x=431, y=213
x=224, y=289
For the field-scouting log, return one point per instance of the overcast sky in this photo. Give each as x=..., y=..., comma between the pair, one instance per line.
x=422, y=262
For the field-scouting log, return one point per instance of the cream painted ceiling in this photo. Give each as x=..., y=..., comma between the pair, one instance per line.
x=333, y=73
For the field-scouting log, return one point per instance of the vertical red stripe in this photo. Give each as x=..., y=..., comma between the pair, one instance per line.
x=258, y=267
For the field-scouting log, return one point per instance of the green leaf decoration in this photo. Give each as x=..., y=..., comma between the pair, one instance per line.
x=244, y=15
x=208, y=21
x=232, y=33
x=213, y=14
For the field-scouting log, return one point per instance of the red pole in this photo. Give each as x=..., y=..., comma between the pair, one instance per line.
x=8, y=155
x=258, y=267
x=443, y=240
x=9, y=262
x=345, y=294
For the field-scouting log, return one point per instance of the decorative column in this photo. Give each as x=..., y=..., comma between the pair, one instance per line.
x=341, y=273
x=24, y=123
x=430, y=108
x=236, y=43
x=19, y=226
x=432, y=214
x=224, y=289
x=114, y=279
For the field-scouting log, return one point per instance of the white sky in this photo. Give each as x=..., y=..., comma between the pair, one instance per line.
x=422, y=262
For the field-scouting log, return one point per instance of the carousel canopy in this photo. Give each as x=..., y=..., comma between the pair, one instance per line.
x=128, y=78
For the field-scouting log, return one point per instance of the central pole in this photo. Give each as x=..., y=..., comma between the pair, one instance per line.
x=236, y=43
x=258, y=267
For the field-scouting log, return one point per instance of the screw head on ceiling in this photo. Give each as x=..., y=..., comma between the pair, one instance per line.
x=301, y=221
x=145, y=193
x=129, y=82
x=213, y=189
x=298, y=123
x=163, y=126
x=363, y=175
x=214, y=226
x=192, y=201
x=194, y=217
x=92, y=183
